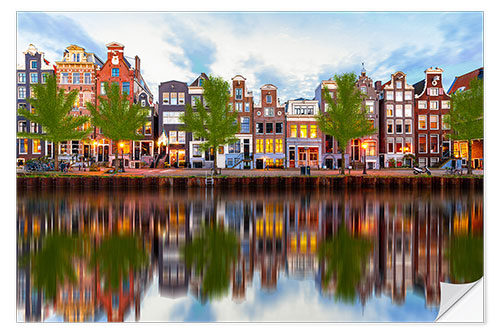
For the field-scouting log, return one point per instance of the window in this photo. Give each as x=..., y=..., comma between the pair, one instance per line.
x=22, y=126
x=21, y=92
x=21, y=77
x=399, y=126
x=126, y=88
x=279, y=128
x=303, y=131
x=433, y=121
x=196, y=150
x=238, y=92
x=172, y=136
x=408, y=126
x=269, y=145
x=390, y=110
x=269, y=112
x=182, y=99
x=433, y=91
x=166, y=98
x=293, y=131
x=408, y=145
x=259, y=128
x=445, y=104
x=44, y=77
x=143, y=103
x=390, y=95
x=245, y=125
x=76, y=78
x=181, y=137
x=247, y=107
x=370, y=106
x=390, y=126
x=33, y=77
x=33, y=64
x=408, y=108
x=259, y=147
x=434, y=105
x=173, y=98
x=34, y=127
x=434, y=144
x=399, y=145
x=194, y=99
x=371, y=149
x=269, y=127
x=399, y=84
x=444, y=122
x=399, y=110
x=422, y=104
x=147, y=128
x=234, y=147
x=408, y=95
x=23, y=146
x=390, y=145
x=238, y=106
x=269, y=99
x=399, y=96
x=364, y=90
x=422, y=143
x=172, y=117
x=314, y=132
x=279, y=145
x=74, y=146
x=37, y=147
x=103, y=88
x=422, y=122
x=115, y=72
x=87, y=77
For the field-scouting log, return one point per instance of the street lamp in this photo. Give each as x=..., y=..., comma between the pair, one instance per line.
x=122, y=162
x=364, y=145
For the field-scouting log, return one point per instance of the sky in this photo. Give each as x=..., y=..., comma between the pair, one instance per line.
x=292, y=50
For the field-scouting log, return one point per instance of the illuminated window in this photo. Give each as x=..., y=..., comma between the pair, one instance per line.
x=390, y=110
x=399, y=145
x=408, y=145
x=259, y=146
x=147, y=127
x=279, y=145
x=303, y=131
x=23, y=146
x=433, y=121
x=390, y=145
x=422, y=143
x=422, y=122
x=221, y=149
x=314, y=131
x=293, y=131
x=269, y=145
x=370, y=106
x=371, y=149
x=408, y=126
x=434, y=144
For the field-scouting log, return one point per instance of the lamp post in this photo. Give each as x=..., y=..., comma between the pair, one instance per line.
x=122, y=164
x=364, y=145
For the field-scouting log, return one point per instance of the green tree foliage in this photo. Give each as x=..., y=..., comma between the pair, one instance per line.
x=216, y=123
x=345, y=116
x=115, y=257
x=51, y=110
x=212, y=253
x=344, y=257
x=466, y=115
x=117, y=117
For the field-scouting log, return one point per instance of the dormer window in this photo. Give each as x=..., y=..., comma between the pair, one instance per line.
x=269, y=99
x=33, y=64
x=399, y=84
x=238, y=93
x=115, y=72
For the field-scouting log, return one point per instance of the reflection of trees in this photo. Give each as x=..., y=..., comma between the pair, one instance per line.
x=465, y=255
x=212, y=252
x=344, y=256
x=115, y=256
x=52, y=266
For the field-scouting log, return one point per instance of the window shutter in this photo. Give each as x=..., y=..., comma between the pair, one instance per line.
x=428, y=91
x=440, y=91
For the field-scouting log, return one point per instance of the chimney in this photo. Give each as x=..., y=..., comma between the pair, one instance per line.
x=378, y=85
x=137, y=66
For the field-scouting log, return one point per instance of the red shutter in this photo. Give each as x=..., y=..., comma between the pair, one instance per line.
x=440, y=91
x=428, y=91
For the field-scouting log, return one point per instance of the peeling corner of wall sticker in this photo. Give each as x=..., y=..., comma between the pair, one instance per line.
x=462, y=302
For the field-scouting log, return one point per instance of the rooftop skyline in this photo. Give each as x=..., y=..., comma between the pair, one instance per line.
x=291, y=50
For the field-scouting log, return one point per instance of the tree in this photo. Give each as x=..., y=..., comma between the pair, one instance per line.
x=465, y=253
x=50, y=107
x=345, y=116
x=217, y=125
x=117, y=117
x=212, y=253
x=466, y=116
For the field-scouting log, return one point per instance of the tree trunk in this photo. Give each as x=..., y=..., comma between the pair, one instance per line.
x=342, y=161
x=215, y=161
x=469, y=163
x=116, y=158
x=55, y=149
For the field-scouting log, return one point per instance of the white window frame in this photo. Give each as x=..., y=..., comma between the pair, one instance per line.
x=408, y=140
x=370, y=104
x=390, y=95
x=238, y=106
x=33, y=146
x=399, y=84
x=269, y=99
x=437, y=144
x=436, y=117
x=444, y=125
x=399, y=95
x=19, y=76
x=19, y=89
x=408, y=110
x=166, y=101
x=247, y=107
x=19, y=145
x=399, y=122
x=390, y=121
x=435, y=104
x=399, y=139
x=390, y=140
x=411, y=127
x=433, y=91
x=399, y=110
x=423, y=117
x=426, y=143
x=445, y=104
x=408, y=95
x=389, y=107
x=422, y=105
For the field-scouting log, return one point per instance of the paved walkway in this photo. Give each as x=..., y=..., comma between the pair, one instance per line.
x=260, y=173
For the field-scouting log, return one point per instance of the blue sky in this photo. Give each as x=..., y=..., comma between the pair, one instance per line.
x=291, y=50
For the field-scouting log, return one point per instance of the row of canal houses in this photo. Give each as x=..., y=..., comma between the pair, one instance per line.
x=408, y=119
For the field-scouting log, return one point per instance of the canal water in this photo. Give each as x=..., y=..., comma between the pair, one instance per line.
x=243, y=255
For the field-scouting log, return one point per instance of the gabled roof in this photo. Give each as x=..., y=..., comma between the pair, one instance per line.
x=419, y=87
x=196, y=83
x=269, y=86
x=464, y=80
x=114, y=44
